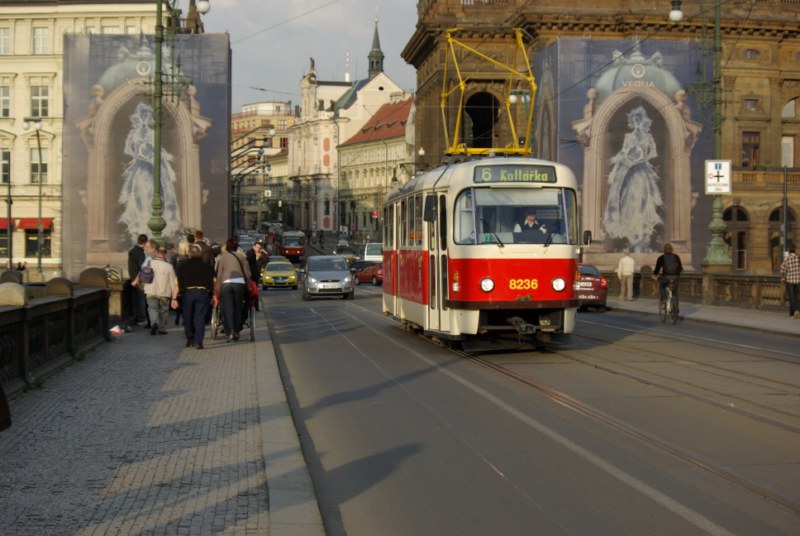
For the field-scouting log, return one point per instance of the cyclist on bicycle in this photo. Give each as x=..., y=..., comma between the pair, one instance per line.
x=669, y=267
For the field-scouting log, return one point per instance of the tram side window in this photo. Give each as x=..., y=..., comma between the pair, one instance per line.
x=418, y=219
x=464, y=219
x=443, y=222
x=388, y=227
x=409, y=216
x=403, y=224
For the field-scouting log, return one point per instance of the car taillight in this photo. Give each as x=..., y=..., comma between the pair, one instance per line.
x=603, y=282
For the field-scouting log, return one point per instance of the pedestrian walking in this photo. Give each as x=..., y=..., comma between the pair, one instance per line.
x=790, y=279
x=136, y=257
x=257, y=258
x=200, y=239
x=161, y=293
x=196, y=286
x=625, y=270
x=233, y=272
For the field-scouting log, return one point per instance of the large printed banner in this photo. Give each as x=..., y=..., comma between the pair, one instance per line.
x=627, y=117
x=109, y=136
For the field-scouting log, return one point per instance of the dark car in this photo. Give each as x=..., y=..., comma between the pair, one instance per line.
x=592, y=287
x=371, y=273
x=359, y=264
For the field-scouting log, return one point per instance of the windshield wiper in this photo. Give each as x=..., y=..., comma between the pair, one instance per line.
x=487, y=230
x=549, y=239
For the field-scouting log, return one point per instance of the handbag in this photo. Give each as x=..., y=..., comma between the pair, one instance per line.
x=252, y=287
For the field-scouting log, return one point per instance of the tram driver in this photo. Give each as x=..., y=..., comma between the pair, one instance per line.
x=530, y=230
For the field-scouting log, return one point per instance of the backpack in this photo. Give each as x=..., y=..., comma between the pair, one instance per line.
x=146, y=274
x=671, y=266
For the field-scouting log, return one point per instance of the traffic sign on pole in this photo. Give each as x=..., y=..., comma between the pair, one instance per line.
x=718, y=176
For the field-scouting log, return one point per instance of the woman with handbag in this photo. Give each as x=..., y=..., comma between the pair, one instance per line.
x=231, y=284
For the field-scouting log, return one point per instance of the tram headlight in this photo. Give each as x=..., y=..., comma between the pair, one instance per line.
x=487, y=285
x=559, y=284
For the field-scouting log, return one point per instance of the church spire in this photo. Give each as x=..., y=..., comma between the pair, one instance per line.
x=375, y=55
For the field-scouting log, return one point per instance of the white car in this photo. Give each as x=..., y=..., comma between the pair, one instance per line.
x=372, y=251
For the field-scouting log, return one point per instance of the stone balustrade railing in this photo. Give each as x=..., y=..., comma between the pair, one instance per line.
x=45, y=326
x=736, y=290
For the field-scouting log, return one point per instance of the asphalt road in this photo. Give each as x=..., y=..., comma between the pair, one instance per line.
x=634, y=428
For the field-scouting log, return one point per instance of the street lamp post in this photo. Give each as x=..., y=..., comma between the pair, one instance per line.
x=717, y=251
x=37, y=126
x=156, y=223
x=418, y=164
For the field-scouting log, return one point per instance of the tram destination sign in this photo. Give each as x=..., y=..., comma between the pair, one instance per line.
x=514, y=173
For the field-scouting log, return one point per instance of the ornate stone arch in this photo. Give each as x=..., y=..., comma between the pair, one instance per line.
x=681, y=133
x=104, y=140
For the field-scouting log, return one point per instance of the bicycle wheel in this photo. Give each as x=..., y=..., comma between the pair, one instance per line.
x=663, y=310
x=215, y=320
x=674, y=310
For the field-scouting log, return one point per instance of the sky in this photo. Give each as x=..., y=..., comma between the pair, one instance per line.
x=272, y=42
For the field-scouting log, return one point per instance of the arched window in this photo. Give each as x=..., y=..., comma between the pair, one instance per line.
x=776, y=241
x=736, y=236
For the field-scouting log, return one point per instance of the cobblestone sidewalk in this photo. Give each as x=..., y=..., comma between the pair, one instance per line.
x=144, y=436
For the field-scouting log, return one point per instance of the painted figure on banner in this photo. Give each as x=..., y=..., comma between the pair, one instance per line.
x=136, y=194
x=634, y=199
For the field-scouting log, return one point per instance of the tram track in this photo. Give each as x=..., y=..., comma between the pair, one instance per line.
x=639, y=434
x=654, y=440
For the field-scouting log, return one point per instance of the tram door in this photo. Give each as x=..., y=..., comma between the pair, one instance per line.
x=435, y=215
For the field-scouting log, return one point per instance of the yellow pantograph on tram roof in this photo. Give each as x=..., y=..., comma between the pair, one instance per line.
x=519, y=83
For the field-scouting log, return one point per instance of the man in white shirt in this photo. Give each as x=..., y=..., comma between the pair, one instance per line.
x=625, y=269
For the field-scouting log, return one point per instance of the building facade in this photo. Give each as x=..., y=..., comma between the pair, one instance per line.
x=31, y=86
x=83, y=72
x=331, y=112
x=260, y=138
x=373, y=161
x=600, y=65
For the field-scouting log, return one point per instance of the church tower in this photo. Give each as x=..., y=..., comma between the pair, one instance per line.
x=375, y=55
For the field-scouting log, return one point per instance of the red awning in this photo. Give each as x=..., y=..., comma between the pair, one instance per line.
x=33, y=223
x=4, y=223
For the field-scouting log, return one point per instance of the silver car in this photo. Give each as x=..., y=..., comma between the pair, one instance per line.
x=327, y=275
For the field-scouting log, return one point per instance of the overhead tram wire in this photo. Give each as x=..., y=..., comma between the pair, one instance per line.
x=284, y=22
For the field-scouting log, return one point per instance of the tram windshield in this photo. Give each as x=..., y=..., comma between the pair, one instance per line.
x=293, y=241
x=516, y=215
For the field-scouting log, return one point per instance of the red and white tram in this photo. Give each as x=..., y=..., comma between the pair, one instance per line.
x=456, y=263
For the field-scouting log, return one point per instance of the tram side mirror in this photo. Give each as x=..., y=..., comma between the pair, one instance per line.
x=429, y=212
x=587, y=238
